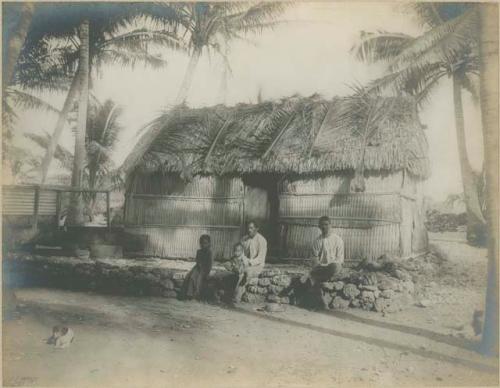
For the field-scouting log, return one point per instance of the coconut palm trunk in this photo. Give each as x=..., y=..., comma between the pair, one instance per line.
x=15, y=45
x=475, y=219
x=16, y=42
x=61, y=121
x=188, y=76
x=489, y=109
x=76, y=214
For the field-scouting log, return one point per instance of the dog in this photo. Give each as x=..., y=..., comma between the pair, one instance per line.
x=61, y=337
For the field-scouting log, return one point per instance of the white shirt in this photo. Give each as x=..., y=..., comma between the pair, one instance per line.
x=255, y=249
x=327, y=250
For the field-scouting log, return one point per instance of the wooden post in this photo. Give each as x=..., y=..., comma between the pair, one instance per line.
x=242, y=211
x=108, y=212
x=124, y=215
x=58, y=208
x=36, y=207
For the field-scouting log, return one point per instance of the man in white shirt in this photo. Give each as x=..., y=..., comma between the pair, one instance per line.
x=255, y=248
x=327, y=254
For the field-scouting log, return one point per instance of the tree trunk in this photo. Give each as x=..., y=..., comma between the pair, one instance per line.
x=61, y=121
x=76, y=211
x=188, y=77
x=15, y=45
x=475, y=221
x=222, y=98
x=16, y=41
x=489, y=110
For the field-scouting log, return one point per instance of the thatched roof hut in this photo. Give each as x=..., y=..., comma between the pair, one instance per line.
x=267, y=161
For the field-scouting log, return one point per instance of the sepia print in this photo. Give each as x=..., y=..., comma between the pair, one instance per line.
x=249, y=194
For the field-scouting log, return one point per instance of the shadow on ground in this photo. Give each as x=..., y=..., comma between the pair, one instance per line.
x=376, y=341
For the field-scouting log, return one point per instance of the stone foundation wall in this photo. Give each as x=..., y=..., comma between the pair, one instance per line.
x=370, y=290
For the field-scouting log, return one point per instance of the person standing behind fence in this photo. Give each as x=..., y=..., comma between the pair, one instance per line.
x=195, y=282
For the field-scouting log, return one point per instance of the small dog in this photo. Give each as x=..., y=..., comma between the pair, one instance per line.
x=61, y=337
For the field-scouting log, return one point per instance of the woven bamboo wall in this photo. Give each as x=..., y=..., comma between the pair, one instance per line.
x=172, y=214
x=169, y=210
x=369, y=223
x=369, y=207
x=358, y=242
x=420, y=239
x=340, y=183
x=182, y=242
x=406, y=226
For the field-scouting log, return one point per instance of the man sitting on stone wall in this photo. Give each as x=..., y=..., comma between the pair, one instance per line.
x=327, y=255
x=255, y=248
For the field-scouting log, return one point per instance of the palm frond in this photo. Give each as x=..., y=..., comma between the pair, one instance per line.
x=380, y=46
x=45, y=67
x=431, y=14
x=414, y=80
x=441, y=43
x=61, y=154
x=9, y=118
x=256, y=17
x=95, y=149
x=140, y=39
x=426, y=14
x=127, y=58
x=471, y=84
x=24, y=100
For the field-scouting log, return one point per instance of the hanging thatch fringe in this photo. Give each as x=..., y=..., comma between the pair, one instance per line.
x=301, y=132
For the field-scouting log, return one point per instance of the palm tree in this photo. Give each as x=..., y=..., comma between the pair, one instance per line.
x=94, y=31
x=102, y=132
x=15, y=43
x=22, y=14
x=363, y=112
x=107, y=44
x=14, y=99
x=211, y=26
x=76, y=215
x=489, y=108
x=18, y=94
x=449, y=48
x=103, y=129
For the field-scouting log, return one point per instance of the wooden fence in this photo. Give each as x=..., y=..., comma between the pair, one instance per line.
x=35, y=201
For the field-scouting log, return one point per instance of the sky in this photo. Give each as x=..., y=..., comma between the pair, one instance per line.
x=307, y=54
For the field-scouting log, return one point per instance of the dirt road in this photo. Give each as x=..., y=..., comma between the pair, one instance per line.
x=123, y=341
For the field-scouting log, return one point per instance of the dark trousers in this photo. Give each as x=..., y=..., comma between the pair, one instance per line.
x=318, y=275
x=323, y=273
x=311, y=295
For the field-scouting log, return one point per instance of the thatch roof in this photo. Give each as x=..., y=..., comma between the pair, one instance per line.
x=293, y=135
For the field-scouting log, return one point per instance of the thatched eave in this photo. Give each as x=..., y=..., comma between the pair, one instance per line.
x=295, y=135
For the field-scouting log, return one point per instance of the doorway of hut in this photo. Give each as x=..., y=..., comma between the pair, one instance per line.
x=262, y=206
